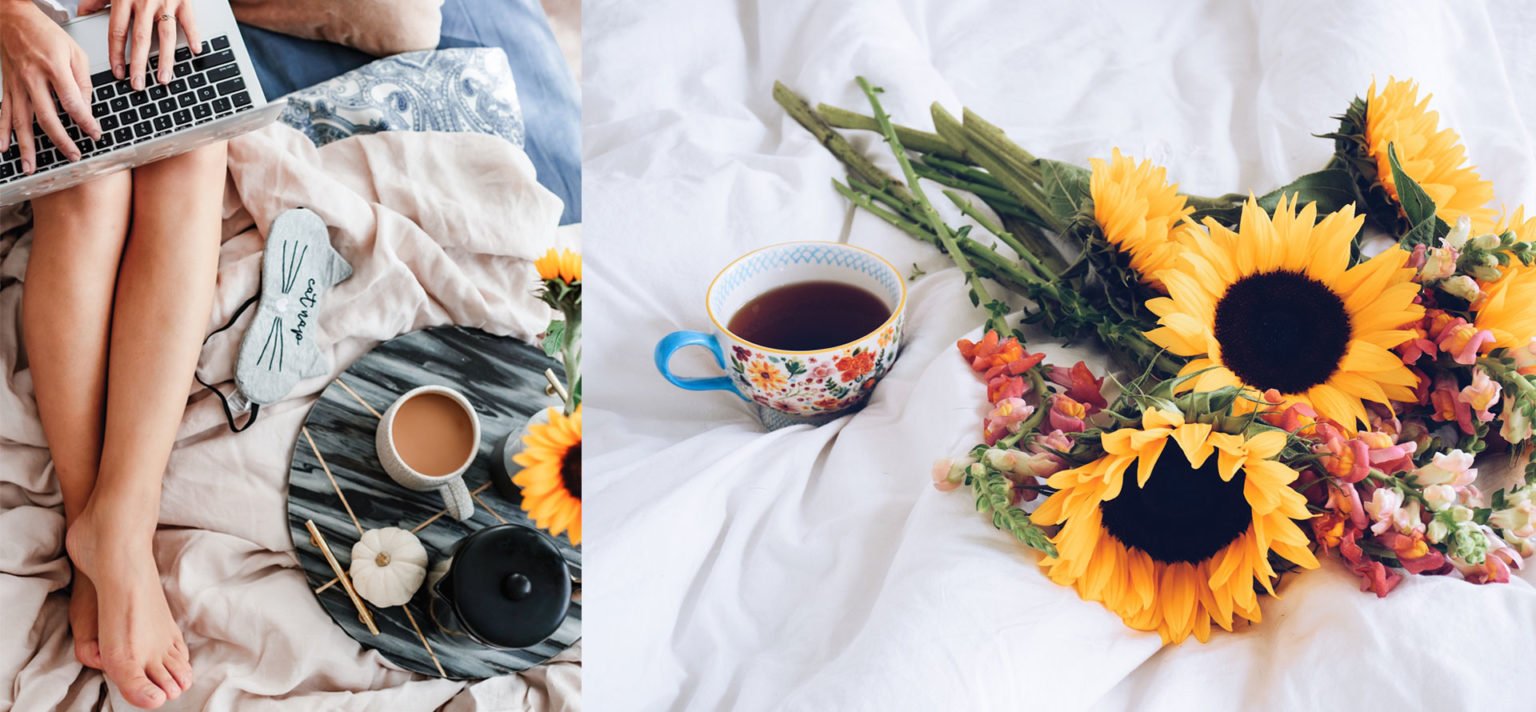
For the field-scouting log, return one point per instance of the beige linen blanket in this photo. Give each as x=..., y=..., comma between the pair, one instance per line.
x=440, y=228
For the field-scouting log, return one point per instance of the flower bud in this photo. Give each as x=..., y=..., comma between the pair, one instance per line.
x=1439, y=497
x=1462, y=287
x=1486, y=241
x=1468, y=543
x=1520, y=519
x=1439, y=263
x=1436, y=531
x=1487, y=268
x=1457, y=237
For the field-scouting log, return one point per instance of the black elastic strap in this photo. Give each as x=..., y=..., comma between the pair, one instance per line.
x=229, y=413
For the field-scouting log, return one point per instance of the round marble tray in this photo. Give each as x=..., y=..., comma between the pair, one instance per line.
x=504, y=380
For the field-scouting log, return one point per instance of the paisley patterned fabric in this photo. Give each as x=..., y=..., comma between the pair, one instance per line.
x=461, y=90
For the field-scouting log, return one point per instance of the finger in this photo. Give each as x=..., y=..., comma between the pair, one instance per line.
x=89, y=6
x=143, y=29
x=117, y=39
x=77, y=103
x=48, y=117
x=167, y=28
x=21, y=122
x=188, y=20
x=5, y=120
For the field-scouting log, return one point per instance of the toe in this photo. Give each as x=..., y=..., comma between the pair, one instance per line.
x=162, y=677
x=139, y=690
x=181, y=670
x=88, y=652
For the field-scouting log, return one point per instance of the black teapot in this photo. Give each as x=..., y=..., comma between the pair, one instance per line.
x=506, y=586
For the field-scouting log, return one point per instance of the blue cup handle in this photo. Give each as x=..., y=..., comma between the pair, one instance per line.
x=676, y=340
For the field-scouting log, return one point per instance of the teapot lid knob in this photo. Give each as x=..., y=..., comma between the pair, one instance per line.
x=516, y=586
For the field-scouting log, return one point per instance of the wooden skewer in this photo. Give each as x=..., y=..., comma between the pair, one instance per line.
x=363, y=614
x=555, y=385
x=423, y=637
x=474, y=493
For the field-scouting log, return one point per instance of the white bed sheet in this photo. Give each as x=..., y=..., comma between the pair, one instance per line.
x=817, y=568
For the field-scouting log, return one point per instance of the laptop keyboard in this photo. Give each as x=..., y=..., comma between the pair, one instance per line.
x=204, y=88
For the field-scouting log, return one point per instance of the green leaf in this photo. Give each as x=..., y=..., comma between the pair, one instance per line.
x=1066, y=187
x=553, y=337
x=1331, y=189
x=1417, y=206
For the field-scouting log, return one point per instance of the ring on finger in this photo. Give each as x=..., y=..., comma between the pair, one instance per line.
x=166, y=18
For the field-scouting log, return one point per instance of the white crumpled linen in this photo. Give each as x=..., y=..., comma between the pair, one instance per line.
x=817, y=568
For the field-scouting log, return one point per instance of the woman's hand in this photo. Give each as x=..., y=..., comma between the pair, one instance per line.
x=39, y=62
x=142, y=20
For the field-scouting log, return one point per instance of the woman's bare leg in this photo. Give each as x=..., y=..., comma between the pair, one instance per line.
x=164, y=297
x=67, y=314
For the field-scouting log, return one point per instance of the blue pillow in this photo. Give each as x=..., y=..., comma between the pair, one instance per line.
x=545, y=89
x=436, y=90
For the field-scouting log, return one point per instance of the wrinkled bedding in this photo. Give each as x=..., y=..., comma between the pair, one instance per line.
x=440, y=229
x=817, y=568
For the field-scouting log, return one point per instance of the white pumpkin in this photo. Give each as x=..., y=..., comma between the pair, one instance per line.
x=388, y=566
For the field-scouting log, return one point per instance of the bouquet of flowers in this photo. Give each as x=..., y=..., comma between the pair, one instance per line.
x=1289, y=382
x=551, y=448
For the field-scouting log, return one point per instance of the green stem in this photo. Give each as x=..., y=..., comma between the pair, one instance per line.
x=994, y=493
x=988, y=262
x=997, y=140
x=979, y=294
x=802, y=113
x=917, y=140
x=969, y=210
x=570, y=349
x=1000, y=200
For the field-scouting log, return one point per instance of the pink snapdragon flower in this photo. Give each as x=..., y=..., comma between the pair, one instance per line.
x=1081, y=385
x=1463, y=341
x=1525, y=358
x=1439, y=263
x=1452, y=468
x=1006, y=418
x=949, y=474
x=1448, y=404
x=1374, y=576
x=1496, y=564
x=1386, y=453
x=1349, y=460
x=1414, y=553
x=1519, y=514
x=1296, y=418
x=1067, y=414
x=1481, y=395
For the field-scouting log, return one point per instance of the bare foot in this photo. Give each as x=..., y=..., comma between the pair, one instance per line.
x=82, y=621
x=141, y=648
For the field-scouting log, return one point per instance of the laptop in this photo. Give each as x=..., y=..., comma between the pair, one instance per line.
x=214, y=96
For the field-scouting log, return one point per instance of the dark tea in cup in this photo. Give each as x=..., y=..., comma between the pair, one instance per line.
x=807, y=316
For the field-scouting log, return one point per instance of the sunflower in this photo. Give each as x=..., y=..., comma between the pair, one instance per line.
x=1433, y=157
x=1276, y=305
x=1139, y=212
x=551, y=474
x=562, y=265
x=1183, y=545
x=1505, y=309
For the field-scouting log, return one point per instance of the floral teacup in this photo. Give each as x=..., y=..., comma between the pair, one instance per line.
x=799, y=383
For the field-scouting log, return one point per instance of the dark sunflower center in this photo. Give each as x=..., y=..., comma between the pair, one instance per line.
x=1183, y=514
x=1282, y=330
x=570, y=470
